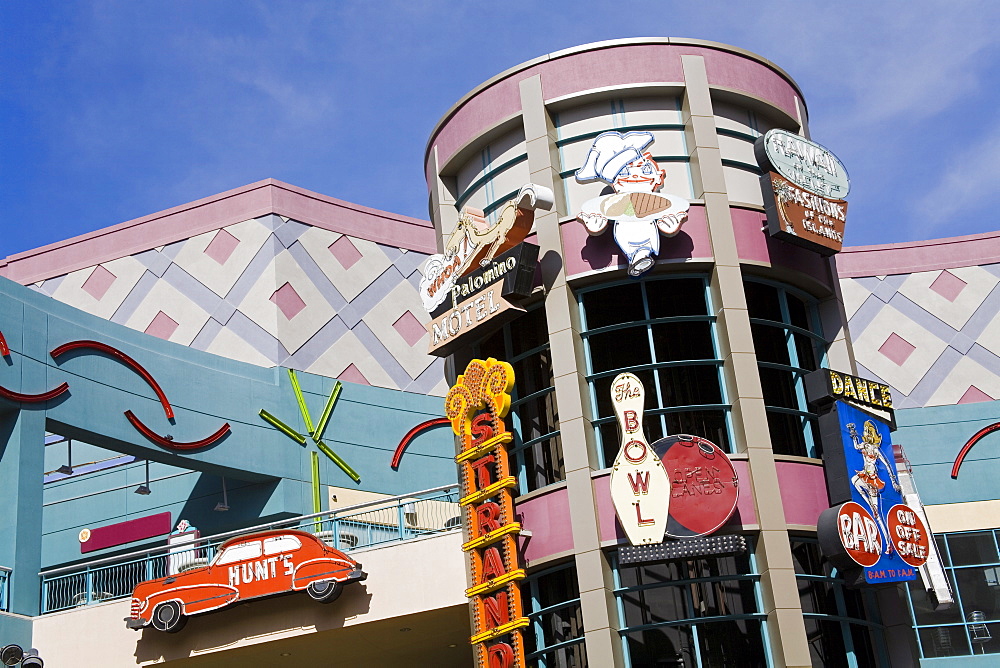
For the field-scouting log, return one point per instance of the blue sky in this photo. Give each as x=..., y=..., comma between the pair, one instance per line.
x=114, y=110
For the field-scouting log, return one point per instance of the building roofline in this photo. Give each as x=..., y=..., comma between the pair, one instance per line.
x=915, y=256
x=595, y=46
x=268, y=196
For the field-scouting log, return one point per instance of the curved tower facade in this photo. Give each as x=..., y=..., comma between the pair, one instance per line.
x=718, y=320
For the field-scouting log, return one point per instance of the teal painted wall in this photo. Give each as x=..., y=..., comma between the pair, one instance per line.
x=932, y=438
x=983, y=661
x=268, y=474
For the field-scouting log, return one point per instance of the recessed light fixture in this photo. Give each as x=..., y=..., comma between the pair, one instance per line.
x=286, y=654
x=452, y=645
x=406, y=628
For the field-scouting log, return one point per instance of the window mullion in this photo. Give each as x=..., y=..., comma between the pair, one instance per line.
x=652, y=357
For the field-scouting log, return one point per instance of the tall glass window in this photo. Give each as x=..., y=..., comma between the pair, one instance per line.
x=972, y=624
x=537, y=449
x=577, y=125
x=699, y=612
x=662, y=331
x=842, y=625
x=552, y=603
x=491, y=177
x=788, y=343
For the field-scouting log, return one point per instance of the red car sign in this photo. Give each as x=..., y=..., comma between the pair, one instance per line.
x=252, y=566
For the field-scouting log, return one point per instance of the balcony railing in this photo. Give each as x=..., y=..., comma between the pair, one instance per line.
x=365, y=525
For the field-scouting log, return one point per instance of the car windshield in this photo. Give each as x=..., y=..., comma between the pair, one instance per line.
x=277, y=544
x=240, y=552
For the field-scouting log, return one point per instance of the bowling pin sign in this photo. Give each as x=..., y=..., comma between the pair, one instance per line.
x=640, y=486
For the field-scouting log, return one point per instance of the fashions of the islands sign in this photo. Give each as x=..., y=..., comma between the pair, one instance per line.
x=484, y=270
x=804, y=186
x=681, y=486
x=639, y=211
x=869, y=532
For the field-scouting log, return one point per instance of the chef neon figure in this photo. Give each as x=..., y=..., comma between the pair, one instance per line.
x=640, y=213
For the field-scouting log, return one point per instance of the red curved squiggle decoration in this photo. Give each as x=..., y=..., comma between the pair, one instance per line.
x=978, y=436
x=122, y=357
x=33, y=398
x=4, y=348
x=174, y=445
x=410, y=435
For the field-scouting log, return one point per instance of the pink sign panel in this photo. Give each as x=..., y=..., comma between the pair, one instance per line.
x=126, y=532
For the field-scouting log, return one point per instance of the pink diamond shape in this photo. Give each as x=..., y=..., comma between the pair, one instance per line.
x=98, y=282
x=222, y=246
x=162, y=326
x=409, y=328
x=352, y=375
x=974, y=395
x=948, y=285
x=288, y=300
x=346, y=252
x=897, y=348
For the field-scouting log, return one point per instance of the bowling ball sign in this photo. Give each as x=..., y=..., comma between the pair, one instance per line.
x=704, y=487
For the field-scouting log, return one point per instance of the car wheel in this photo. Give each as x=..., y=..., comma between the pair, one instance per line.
x=325, y=591
x=168, y=617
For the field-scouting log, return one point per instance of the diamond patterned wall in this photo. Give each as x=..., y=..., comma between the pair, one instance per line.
x=934, y=336
x=272, y=291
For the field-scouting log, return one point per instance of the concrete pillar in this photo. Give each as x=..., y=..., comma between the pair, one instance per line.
x=22, y=437
x=833, y=318
x=596, y=581
x=441, y=204
x=785, y=625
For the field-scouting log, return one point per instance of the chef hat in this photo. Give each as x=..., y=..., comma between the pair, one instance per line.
x=610, y=152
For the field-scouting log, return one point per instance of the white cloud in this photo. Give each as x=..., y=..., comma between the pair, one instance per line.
x=878, y=61
x=970, y=180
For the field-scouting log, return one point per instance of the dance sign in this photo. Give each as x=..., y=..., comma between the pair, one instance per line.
x=869, y=527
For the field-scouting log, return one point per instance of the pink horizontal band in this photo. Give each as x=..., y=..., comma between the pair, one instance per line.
x=914, y=256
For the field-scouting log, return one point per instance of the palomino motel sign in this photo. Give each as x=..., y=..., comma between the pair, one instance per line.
x=483, y=266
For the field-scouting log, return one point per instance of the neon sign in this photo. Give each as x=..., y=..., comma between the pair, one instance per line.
x=640, y=213
x=475, y=243
x=476, y=406
x=114, y=353
x=978, y=436
x=803, y=187
x=640, y=488
x=869, y=529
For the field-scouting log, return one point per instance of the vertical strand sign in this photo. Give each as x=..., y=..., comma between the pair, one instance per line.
x=476, y=406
